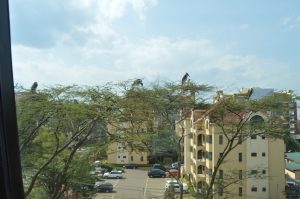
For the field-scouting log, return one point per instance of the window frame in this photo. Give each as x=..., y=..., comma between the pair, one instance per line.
x=11, y=184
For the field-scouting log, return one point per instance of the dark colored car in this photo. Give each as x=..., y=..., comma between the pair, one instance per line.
x=158, y=166
x=156, y=173
x=104, y=187
x=130, y=166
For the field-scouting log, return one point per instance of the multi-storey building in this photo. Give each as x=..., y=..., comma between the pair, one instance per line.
x=120, y=152
x=258, y=93
x=254, y=169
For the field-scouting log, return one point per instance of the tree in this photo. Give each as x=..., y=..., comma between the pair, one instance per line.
x=146, y=116
x=53, y=122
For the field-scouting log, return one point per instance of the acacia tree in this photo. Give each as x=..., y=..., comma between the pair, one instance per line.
x=53, y=122
x=145, y=116
x=236, y=120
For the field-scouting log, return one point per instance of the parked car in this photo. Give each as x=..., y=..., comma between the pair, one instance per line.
x=172, y=173
x=158, y=166
x=130, y=166
x=174, y=165
x=104, y=187
x=173, y=184
x=113, y=174
x=156, y=173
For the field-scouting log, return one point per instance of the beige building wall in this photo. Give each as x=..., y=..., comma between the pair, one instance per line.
x=268, y=163
x=276, y=169
x=118, y=153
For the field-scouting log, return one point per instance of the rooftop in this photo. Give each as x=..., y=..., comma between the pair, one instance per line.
x=295, y=156
x=293, y=166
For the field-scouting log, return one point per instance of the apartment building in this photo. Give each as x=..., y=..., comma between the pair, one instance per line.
x=256, y=93
x=254, y=169
x=120, y=152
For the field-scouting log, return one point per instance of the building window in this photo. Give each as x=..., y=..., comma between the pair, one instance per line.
x=131, y=158
x=209, y=139
x=240, y=141
x=254, y=189
x=142, y=158
x=253, y=137
x=240, y=174
x=240, y=157
x=209, y=172
x=263, y=171
x=221, y=155
x=220, y=191
x=124, y=156
x=264, y=189
x=253, y=154
x=253, y=172
x=118, y=156
x=240, y=191
x=209, y=155
x=221, y=174
x=263, y=137
x=220, y=139
x=263, y=154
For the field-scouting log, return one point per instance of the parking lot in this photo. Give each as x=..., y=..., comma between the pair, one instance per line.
x=135, y=185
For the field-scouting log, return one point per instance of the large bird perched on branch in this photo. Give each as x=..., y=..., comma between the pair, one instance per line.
x=185, y=78
x=138, y=82
x=34, y=87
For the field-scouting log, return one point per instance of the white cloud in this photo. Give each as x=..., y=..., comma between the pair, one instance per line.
x=165, y=58
x=290, y=22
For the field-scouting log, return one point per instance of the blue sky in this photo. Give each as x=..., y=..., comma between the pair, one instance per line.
x=227, y=44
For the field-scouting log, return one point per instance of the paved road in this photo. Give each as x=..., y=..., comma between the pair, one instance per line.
x=135, y=185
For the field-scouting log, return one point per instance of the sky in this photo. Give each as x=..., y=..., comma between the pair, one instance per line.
x=226, y=44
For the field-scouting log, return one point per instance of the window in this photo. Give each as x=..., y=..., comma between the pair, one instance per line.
x=209, y=172
x=209, y=155
x=253, y=154
x=263, y=154
x=240, y=174
x=142, y=158
x=254, y=189
x=240, y=141
x=124, y=156
x=220, y=155
x=221, y=174
x=253, y=172
x=253, y=137
x=220, y=191
x=240, y=157
x=263, y=171
x=209, y=139
x=263, y=137
x=264, y=189
x=118, y=156
x=220, y=139
x=240, y=191
x=131, y=158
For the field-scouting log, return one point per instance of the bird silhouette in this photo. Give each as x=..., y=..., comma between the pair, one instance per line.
x=185, y=78
x=138, y=82
x=34, y=87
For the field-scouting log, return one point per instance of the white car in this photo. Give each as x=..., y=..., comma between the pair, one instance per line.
x=175, y=185
x=113, y=174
